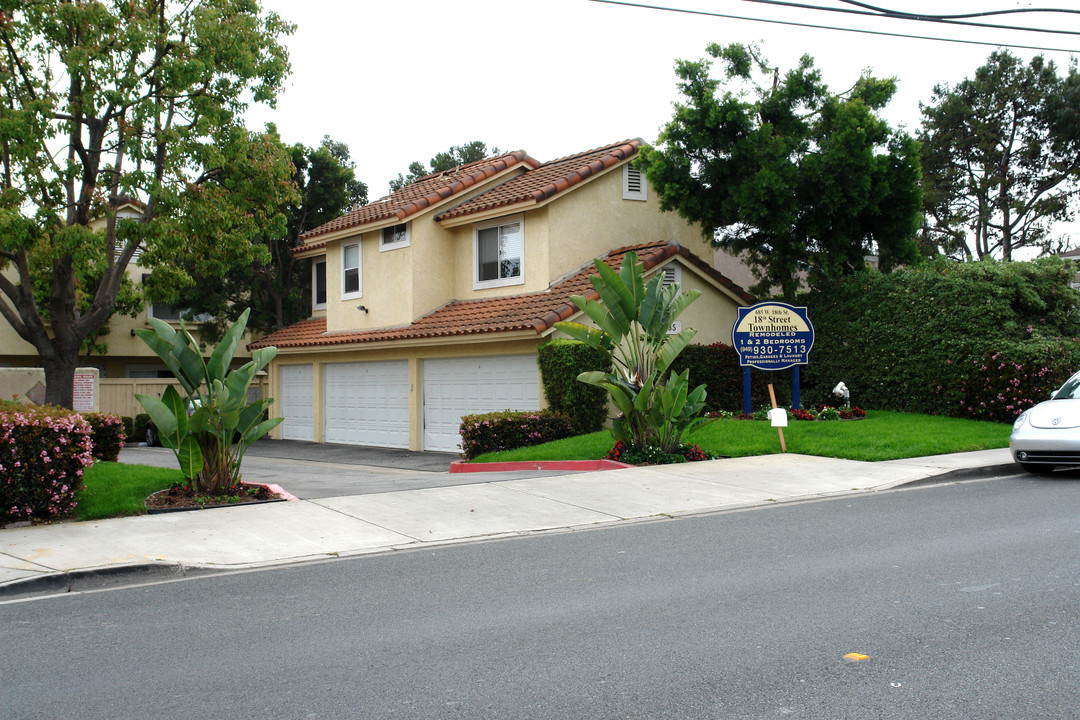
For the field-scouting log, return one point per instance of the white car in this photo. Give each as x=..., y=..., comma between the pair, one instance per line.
x=1048, y=434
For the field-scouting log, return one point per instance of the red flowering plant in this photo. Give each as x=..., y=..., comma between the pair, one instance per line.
x=651, y=455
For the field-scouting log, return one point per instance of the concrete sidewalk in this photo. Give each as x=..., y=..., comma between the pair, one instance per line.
x=85, y=555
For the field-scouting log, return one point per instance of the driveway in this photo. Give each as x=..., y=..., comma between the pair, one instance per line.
x=315, y=470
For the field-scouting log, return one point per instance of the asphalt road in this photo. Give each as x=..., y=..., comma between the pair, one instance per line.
x=963, y=598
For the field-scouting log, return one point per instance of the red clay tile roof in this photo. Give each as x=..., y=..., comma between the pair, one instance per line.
x=537, y=311
x=423, y=193
x=548, y=179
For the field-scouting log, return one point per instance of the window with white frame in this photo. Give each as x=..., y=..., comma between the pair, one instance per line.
x=634, y=185
x=499, y=253
x=350, y=271
x=318, y=284
x=394, y=237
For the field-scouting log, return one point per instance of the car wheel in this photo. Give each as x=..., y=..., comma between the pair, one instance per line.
x=1037, y=469
x=152, y=439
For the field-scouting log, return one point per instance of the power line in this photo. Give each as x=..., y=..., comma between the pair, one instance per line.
x=985, y=13
x=891, y=15
x=791, y=23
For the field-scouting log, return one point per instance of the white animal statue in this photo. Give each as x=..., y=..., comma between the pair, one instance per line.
x=841, y=392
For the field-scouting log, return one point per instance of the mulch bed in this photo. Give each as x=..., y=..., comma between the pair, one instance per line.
x=179, y=497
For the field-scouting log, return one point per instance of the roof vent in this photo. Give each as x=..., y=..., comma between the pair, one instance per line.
x=634, y=185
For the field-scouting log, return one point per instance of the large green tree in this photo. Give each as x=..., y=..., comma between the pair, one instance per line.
x=792, y=177
x=1001, y=158
x=276, y=286
x=456, y=155
x=128, y=98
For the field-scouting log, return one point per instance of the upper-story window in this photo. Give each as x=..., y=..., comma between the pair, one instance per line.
x=634, y=186
x=318, y=284
x=499, y=253
x=350, y=271
x=173, y=313
x=394, y=237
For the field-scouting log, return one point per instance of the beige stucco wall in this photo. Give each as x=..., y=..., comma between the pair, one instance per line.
x=713, y=314
x=595, y=218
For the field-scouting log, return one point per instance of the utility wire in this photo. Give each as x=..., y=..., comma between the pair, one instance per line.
x=985, y=13
x=790, y=23
x=890, y=15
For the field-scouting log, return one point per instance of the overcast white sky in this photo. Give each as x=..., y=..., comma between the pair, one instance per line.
x=399, y=81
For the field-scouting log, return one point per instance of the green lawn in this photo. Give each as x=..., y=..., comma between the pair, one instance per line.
x=115, y=489
x=883, y=435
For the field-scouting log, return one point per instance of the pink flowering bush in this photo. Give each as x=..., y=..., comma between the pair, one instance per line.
x=508, y=429
x=998, y=388
x=107, y=434
x=43, y=451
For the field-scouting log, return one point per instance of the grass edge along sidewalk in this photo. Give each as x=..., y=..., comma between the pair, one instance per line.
x=117, y=489
x=882, y=435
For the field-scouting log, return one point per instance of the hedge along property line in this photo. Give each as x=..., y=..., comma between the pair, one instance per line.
x=916, y=339
x=488, y=432
x=43, y=451
x=561, y=361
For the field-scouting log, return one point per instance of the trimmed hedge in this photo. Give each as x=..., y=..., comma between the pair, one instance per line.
x=561, y=361
x=916, y=339
x=107, y=434
x=43, y=450
x=488, y=432
x=138, y=433
x=718, y=367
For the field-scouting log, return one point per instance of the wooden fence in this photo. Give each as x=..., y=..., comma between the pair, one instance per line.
x=117, y=395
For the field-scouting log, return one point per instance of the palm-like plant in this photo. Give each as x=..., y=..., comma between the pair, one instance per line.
x=212, y=426
x=632, y=320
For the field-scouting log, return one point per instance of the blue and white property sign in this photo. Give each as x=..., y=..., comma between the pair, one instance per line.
x=772, y=336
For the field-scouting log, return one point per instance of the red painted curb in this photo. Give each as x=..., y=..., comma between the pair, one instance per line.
x=284, y=494
x=463, y=466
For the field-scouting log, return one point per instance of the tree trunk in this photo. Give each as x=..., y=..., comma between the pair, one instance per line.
x=60, y=378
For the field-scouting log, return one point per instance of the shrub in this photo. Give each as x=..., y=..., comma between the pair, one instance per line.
x=138, y=433
x=651, y=455
x=107, y=434
x=488, y=432
x=129, y=427
x=632, y=320
x=211, y=427
x=896, y=339
x=1001, y=385
x=717, y=366
x=561, y=361
x=43, y=450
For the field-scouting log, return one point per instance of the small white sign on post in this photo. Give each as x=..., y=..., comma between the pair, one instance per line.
x=778, y=417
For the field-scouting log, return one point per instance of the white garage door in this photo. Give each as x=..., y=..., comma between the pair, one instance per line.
x=464, y=386
x=297, y=402
x=366, y=403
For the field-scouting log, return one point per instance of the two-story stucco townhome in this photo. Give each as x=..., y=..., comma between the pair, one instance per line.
x=128, y=356
x=429, y=304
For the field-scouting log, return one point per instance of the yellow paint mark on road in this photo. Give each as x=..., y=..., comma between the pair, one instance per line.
x=856, y=657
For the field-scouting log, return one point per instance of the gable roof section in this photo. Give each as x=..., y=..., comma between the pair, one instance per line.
x=545, y=181
x=537, y=311
x=425, y=192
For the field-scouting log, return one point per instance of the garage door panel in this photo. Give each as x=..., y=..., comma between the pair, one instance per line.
x=366, y=403
x=297, y=402
x=454, y=387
